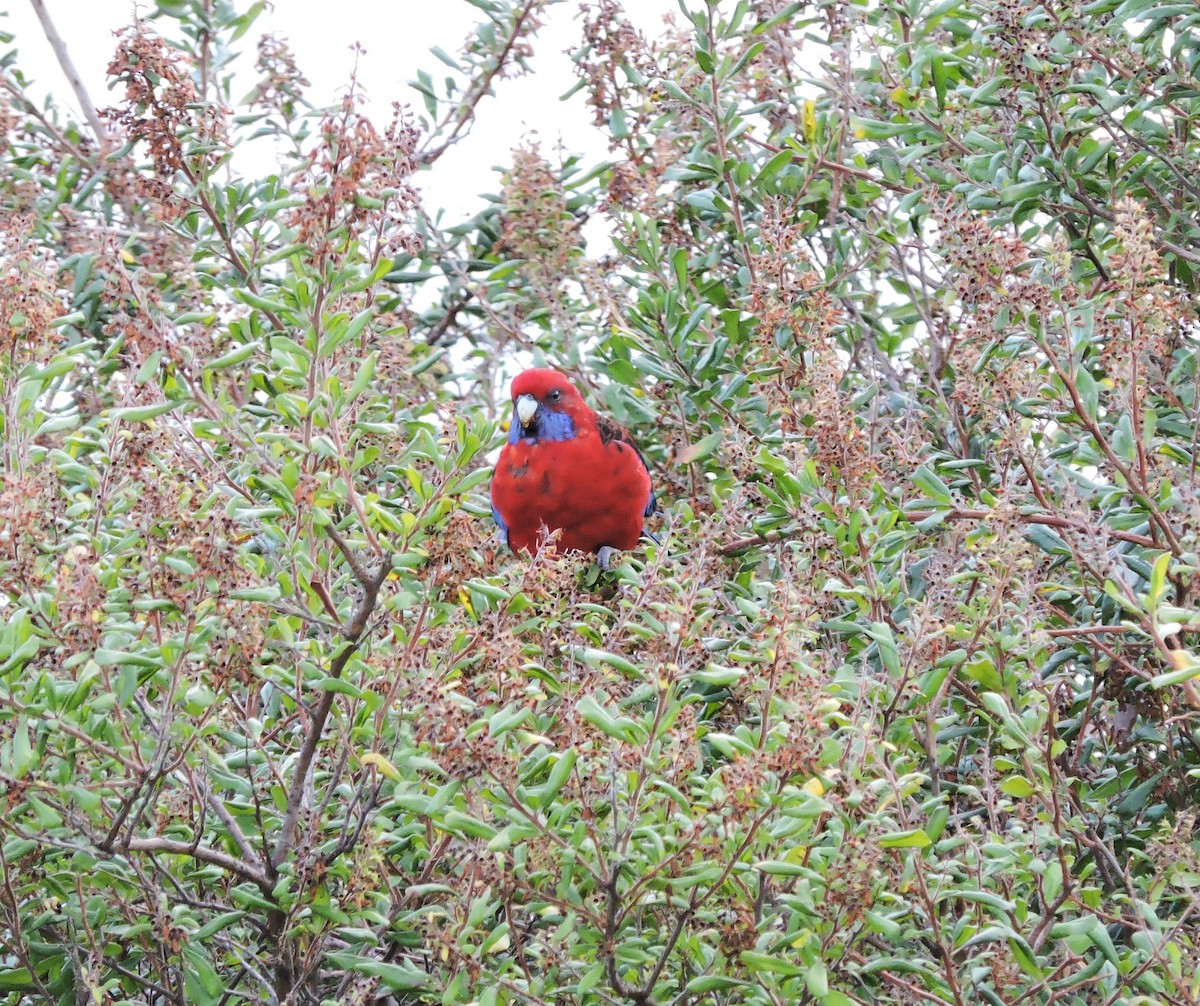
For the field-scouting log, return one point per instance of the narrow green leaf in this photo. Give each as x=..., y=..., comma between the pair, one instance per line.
x=913, y=839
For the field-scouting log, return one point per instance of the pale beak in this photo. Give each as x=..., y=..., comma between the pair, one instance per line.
x=527, y=406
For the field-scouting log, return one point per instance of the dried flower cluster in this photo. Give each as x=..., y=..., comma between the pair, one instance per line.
x=349, y=175
x=899, y=707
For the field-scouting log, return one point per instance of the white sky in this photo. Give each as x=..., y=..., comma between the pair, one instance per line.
x=397, y=35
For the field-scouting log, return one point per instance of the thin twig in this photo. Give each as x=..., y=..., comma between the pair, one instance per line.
x=915, y=516
x=435, y=334
x=203, y=854
x=352, y=633
x=464, y=111
x=72, y=75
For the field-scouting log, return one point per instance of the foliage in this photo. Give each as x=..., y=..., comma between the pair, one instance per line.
x=901, y=302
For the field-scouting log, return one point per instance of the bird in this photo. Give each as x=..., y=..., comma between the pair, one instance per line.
x=566, y=469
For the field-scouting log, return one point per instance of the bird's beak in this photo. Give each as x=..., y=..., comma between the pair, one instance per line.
x=527, y=406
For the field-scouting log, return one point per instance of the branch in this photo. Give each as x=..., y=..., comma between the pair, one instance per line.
x=31, y=109
x=610, y=934
x=465, y=110
x=915, y=516
x=198, y=852
x=352, y=633
x=434, y=335
x=15, y=944
x=356, y=567
x=68, y=68
x=235, y=831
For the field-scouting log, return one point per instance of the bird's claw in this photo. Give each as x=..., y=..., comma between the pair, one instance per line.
x=605, y=555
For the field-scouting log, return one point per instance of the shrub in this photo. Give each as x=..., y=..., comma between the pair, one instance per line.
x=901, y=304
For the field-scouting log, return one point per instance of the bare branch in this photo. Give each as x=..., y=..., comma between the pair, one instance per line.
x=68, y=68
x=915, y=516
x=203, y=854
x=464, y=111
x=352, y=633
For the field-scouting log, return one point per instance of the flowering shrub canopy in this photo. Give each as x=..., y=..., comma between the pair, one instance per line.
x=901, y=302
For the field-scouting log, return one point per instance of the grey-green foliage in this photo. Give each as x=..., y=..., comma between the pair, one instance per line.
x=900, y=305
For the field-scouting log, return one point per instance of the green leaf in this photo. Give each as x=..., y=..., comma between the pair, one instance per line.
x=817, y=980
x=1158, y=580
x=937, y=68
x=261, y=303
x=701, y=449
x=398, y=978
x=932, y=486
x=239, y=354
x=757, y=962
x=594, y=657
x=621, y=728
x=705, y=984
x=559, y=773
x=1089, y=392
x=775, y=165
x=1189, y=668
x=1018, y=786
x=16, y=980
x=143, y=413
x=912, y=839
x=218, y=924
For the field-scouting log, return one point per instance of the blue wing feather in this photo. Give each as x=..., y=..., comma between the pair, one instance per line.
x=500, y=524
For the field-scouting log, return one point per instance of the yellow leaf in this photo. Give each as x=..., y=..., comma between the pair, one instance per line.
x=465, y=600
x=809, y=118
x=385, y=767
x=1181, y=659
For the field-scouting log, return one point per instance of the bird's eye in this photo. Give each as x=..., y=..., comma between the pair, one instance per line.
x=554, y=395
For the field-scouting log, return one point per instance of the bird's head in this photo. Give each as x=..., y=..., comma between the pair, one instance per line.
x=546, y=407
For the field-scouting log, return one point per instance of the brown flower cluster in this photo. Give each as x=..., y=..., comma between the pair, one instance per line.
x=9, y=120
x=30, y=511
x=622, y=74
x=29, y=300
x=783, y=280
x=357, y=183
x=282, y=85
x=1150, y=314
x=773, y=74
x=162, y=107
x=991, y=274
x=173, y=522
x=612, y=42
x=1025, y=47
x=537, y=227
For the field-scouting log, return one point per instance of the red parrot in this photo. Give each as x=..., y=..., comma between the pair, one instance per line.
x=564, y=467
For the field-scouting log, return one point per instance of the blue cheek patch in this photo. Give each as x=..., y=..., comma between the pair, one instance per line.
x=547, y=426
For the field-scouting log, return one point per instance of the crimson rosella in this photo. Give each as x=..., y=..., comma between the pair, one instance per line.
x=564, y=467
